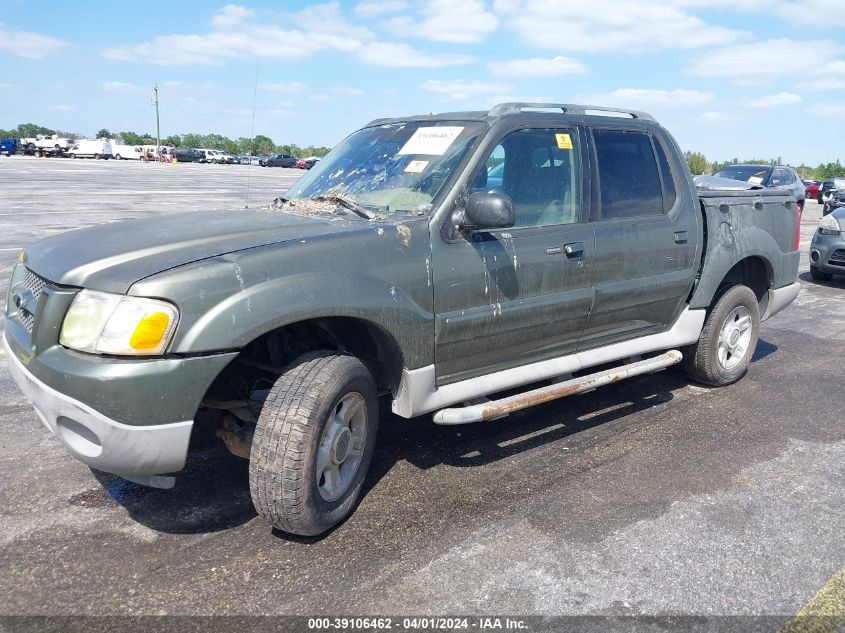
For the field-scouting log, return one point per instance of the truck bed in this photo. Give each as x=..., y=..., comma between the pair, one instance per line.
x=739, y=225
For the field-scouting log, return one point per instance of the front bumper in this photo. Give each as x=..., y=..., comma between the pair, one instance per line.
x=133, y=452
x=827, y=253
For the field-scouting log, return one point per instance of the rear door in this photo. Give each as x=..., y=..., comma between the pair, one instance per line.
x=505, y=298
x=645, y=236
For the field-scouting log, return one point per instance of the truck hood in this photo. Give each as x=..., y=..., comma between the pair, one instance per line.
x=111, y=257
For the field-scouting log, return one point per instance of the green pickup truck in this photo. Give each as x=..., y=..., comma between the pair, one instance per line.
x=432, y=262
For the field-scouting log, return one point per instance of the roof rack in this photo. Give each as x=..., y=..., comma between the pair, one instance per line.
x=515, y=107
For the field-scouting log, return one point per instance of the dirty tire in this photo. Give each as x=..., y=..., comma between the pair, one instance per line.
x=818, y=275
x=283, y=460
x=701, y=360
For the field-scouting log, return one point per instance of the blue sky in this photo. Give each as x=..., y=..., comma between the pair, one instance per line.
x=730, y=78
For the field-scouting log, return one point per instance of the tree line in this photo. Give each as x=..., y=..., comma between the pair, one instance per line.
x=259, y=145
x=699, y=164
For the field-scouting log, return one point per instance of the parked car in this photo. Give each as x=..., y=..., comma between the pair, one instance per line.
x=811, y=189
x=188, y=155
x=827, y=250
x=832, y=195
x=392, y=270
x=770, y=176
x=213, y=156
x=126, y=152
x=91, y=148
x=9, y=146
x=826, y=186
x=281, y=160
x=310, y=162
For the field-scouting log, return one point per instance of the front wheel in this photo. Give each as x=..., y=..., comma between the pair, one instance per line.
x=727, y=341
x=117, y=156
x=313, y=443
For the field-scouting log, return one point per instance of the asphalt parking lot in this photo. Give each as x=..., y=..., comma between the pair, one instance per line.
x=653, y=496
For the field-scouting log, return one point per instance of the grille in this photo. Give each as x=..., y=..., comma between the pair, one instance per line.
x=838, y=257
x=35, y=284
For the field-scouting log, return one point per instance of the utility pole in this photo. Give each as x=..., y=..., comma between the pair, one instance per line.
x=158, y=129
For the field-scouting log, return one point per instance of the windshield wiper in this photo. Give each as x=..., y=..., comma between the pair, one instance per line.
x=346, y=203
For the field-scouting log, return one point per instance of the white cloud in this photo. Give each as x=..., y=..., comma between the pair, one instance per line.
x=802, y=12
x=448, y=21
x=289, y=36
x=610, y=25
x=461, y=90
x=828, y=110
x=29, y=45
x=231, y=15
x=347, y=91
x=289, y=86
x=405, y=56
x=370, y=8
x=118, y=86
x=642, y=98
x=714, y=119
x=771, y=59
x=773, y=101
x=538, y=67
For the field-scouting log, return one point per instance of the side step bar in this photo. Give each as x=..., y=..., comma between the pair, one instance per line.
x=497, y=408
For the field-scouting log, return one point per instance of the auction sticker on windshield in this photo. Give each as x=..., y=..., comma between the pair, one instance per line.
x=564, y=141
x=431, y=141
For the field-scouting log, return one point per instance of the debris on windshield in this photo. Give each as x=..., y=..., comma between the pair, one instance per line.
x=306, y=206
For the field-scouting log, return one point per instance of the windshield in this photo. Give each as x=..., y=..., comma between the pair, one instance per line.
x=755, y=174
x=398, y=167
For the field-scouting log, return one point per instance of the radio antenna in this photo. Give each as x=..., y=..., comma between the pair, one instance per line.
x=251, y=136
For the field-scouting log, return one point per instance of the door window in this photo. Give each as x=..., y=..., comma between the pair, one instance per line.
x=629, y=183
x=666, y=177
x=540, y=170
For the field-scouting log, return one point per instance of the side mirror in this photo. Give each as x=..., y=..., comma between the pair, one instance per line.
x=488, y=210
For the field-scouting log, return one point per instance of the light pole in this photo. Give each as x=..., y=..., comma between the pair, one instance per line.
x=158, y=129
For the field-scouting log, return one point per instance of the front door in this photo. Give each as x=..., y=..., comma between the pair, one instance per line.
x=504, y=298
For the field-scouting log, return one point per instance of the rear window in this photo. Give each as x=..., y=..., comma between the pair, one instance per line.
x=629, y=182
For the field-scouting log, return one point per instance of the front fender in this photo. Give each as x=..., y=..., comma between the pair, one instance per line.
x=228, y=301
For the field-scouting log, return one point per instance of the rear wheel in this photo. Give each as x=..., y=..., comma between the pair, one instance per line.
x=727, y=341
x=818, y=275
x=117, y=156
x=313, y=443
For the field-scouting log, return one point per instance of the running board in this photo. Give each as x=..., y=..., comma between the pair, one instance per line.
x=497, y=408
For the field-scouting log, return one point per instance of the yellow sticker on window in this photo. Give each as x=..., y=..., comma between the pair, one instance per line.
x=563, y=141
x=416, y=166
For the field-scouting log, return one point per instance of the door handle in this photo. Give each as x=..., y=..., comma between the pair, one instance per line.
x=681, y=237
x=574, y=250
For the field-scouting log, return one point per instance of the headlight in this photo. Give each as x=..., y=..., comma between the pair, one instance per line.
x=829, y=226
x=104, y=323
